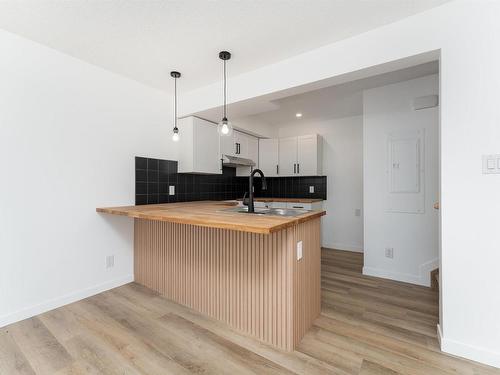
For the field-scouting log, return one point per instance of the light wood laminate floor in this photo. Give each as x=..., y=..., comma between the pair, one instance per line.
x=367, y=326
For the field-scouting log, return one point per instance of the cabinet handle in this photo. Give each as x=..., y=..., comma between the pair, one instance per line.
x=294, y=168
x=239, y=148
x=277, y=169
x=298, y=168
x=236, y=147
x=222, y=164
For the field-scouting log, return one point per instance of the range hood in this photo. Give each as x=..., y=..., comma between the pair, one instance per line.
x=234, y=161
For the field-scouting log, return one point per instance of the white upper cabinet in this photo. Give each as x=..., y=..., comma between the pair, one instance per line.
x=228, y=145
x=253, y=150
x=241, y=142
x=199, y=146
x=309, y=155
x=288, y=156
x=291, y=156
x=241, y=145
x=269, y=156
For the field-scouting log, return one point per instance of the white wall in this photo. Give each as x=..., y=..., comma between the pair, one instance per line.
x=343, y=166
x=413, y=236
x=467, y=34
x=69, y=132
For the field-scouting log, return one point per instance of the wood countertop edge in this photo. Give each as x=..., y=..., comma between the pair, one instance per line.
x=219, y=225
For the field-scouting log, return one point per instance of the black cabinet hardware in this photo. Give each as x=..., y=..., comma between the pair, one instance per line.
x=298, y=168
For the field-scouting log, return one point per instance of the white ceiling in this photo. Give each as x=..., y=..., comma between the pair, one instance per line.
x=337, y=101
x=144, y=40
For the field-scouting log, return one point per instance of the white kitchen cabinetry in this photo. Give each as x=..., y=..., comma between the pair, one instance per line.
x=269, y=156
x=253, y=149
x=198, y=146
x=300, y=156
x=241, y=145
x=241, y=142
x=228, y=145
x=305, y=206
x=309, y=155
x=288, y=156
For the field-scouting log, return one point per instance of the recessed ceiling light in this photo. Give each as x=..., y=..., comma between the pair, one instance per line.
x=298, y=115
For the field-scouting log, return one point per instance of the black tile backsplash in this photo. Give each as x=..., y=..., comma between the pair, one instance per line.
x=154, y=176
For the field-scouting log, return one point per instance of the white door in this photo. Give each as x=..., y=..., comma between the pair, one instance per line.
x=307, y=155
x=268, y=156
x=288, y=156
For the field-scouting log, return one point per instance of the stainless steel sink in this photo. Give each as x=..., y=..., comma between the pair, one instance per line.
x=287, y=211
x=268, y=211
x=244, y=210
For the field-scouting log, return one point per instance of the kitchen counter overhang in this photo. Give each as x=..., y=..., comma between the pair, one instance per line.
x=211, y=214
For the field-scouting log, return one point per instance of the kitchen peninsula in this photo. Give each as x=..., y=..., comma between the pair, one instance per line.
x=258, y=273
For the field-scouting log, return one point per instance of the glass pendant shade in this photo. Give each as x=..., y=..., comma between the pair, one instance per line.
x=225, y=128
x=175, y=135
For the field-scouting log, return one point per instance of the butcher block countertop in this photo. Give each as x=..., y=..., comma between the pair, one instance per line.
x=211, y=214
x=287, y=200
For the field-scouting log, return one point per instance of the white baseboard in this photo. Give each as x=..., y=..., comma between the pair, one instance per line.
x=439, y=335
x=473, y=353
x=343, y=246
x=425, y=271
x=404, y=277
x=423, y=278
x=63, y=300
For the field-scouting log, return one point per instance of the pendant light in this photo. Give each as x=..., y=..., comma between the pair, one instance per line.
x=175, y=135
x=225, y=128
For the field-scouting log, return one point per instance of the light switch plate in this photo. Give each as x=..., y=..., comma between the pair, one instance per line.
x=171, y=190
x=389, y=252
x=311, y=189
x=491, y=164
x=299, y=250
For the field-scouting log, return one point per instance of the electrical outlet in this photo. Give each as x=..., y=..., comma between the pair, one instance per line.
x=357, y=212
x=311, y=189
x=171, y=190
x=110, y=261
x=389, y=252
x=299, y=250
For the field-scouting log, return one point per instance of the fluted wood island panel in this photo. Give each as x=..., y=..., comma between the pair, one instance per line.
x=251, y=281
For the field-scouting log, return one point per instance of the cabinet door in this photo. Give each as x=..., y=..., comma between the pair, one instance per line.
x=241, y=144
x=206, y=157
x=227, y=145
x=268, y=156
x=288, y=156
x=302, y=206
x=253, y=150
x=307, y=155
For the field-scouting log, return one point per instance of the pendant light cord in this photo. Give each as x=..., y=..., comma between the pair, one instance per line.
x=225, y=85
x=175, y=103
